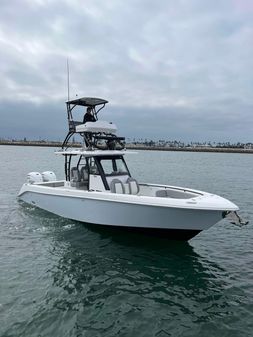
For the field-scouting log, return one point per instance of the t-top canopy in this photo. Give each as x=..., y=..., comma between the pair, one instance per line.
x=96, y=153
x=87, y=101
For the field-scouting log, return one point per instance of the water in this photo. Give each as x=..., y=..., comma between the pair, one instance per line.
x=61, y=278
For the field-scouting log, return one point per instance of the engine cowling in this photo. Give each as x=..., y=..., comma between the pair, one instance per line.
x=48, y=176
x=34, y=177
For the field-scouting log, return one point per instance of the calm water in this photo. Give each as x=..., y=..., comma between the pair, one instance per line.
x=61, y=278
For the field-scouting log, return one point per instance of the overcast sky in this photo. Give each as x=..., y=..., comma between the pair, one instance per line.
x=171, y=69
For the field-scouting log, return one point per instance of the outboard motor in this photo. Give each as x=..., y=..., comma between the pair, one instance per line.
x=48, y=176
x=34, y=177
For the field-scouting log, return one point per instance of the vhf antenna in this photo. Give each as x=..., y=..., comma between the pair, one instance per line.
x=68, y=76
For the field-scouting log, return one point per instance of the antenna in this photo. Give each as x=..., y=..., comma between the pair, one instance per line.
x=68, y=76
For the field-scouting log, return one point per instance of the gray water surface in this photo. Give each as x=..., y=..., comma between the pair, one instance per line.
x=62, y=278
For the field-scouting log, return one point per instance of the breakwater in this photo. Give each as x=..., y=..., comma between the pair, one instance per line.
x=136, y=147
x=191, y=149
x=36, y=143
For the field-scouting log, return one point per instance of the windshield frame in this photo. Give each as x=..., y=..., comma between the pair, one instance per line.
x=103, y=174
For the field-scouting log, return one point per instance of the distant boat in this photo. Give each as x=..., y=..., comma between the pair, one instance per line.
x=99, y=189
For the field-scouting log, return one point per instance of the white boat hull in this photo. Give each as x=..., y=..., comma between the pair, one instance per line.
x=124, y=211
x=98, y=188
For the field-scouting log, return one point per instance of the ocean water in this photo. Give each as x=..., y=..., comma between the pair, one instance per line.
x=62, y=278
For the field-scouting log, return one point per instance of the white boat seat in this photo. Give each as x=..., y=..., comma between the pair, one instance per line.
x=161, y=194
x=123, y=178
x=127, y=189
x=134, y=187
x=117, y=186
x=94, y=169
x=84, y=174
x=75, y=177
x=75, y=174
x=167, y=193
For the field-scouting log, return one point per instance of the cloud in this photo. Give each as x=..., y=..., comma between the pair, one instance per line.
x=157, y=63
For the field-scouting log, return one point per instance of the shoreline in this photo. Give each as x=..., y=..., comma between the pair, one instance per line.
x=191, y=149
x=136, y=147
x=36, y=143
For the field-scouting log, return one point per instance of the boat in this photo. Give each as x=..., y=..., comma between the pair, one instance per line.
x=99, y=189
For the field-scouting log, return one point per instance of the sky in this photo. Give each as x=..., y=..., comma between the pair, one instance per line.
x=170, y=69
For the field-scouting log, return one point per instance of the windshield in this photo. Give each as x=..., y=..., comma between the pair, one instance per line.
x=115, y=166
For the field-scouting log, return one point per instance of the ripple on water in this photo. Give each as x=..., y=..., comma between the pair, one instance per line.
x=62, y=278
